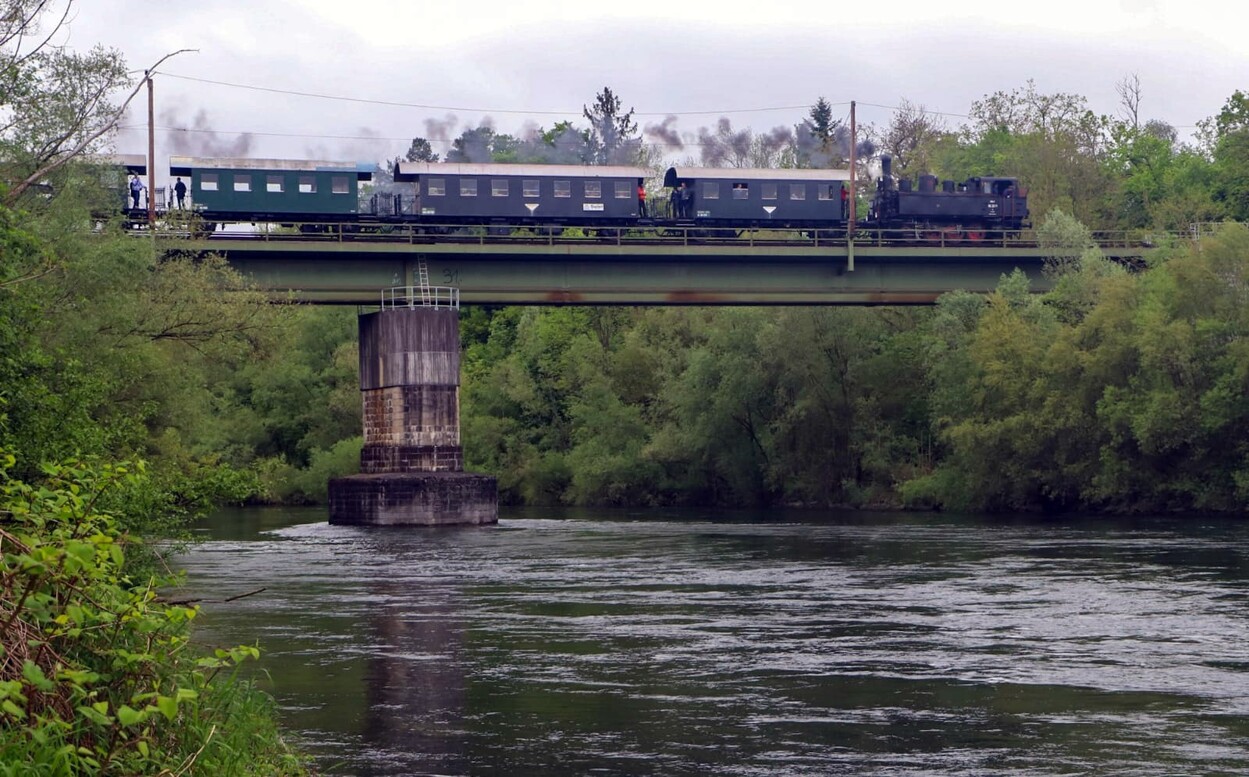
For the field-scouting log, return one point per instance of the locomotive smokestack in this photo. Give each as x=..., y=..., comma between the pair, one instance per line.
x=886, y=166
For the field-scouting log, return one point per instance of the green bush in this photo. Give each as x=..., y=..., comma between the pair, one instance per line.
x=96, y=673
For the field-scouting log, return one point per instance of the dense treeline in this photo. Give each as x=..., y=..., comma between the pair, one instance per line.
x=1118, y=390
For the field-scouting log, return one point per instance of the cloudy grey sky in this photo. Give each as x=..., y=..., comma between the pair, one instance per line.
x=525, y=63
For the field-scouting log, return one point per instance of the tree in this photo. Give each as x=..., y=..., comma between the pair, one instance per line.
x=822, y=123
x=1226, y=138
x=911, y=138
x=1129, y=91
x=819, y=140
x=1052, y=142
x=420, y=151
x=1234, y=116
x=613, y=134
x=55, y=104
x=475, y=144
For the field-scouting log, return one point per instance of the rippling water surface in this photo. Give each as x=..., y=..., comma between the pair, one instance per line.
x=772, y=644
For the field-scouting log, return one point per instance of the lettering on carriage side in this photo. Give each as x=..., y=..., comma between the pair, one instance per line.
x=704, y=214
x=427, y=211
x=992, y=207
x=450, y=277
x=595, y=206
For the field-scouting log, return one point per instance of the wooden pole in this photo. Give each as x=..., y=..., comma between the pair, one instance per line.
x=854, y=141
x=151, y=153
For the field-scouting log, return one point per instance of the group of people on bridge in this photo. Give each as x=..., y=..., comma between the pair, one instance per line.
x=137, y=189
x=681, y=201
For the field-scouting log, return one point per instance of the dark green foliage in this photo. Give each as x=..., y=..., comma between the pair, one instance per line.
x=96, y=675
x=822, y=123
x=689, y=406
x=1115, y=391
x=420, y=151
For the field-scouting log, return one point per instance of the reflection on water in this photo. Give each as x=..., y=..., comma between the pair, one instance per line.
x=781, y=643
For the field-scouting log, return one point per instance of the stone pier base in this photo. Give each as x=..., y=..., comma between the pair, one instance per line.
x=414, y=499
x=411, y=465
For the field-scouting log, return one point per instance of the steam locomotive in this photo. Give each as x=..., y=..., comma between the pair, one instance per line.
x=967, y=210
x=312, y=193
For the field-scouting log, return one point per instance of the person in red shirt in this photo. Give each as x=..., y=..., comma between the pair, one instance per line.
x=641, y=200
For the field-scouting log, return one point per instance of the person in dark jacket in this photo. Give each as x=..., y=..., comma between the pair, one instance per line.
x=674, y=203
x=179, y=190
x=687, y=201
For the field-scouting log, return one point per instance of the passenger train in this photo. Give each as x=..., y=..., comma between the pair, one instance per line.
x=449, y=195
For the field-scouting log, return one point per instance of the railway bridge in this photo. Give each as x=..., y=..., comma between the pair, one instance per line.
x=411, y=463
x=339, y=266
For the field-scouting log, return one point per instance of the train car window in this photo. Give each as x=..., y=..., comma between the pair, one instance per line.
x=307, y=184
x=273, y=183
x=711, y=190
x=499, y=187
x=593, y=190
x=242, y=182
x=825, y=192
x=530, y=187
x=768, y=190
x=797, y=191
x=986, y=187
x=741, y=191
x=468, y=187
x=436, y=187
x=563, y=188
x=338, y=185
x=625, y=190
x=208, y=182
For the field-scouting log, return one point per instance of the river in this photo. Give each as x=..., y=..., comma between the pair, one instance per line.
x=778, y=643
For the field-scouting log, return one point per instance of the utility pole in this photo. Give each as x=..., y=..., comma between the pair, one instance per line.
x=854, y=141
x=151, y=153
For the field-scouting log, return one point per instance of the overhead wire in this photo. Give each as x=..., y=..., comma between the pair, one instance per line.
x=380, y=138
x=423, y=106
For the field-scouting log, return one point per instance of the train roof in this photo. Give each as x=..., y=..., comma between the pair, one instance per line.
x=133, y=163
x=754, y=174
x=410, y=171
x=183, y=165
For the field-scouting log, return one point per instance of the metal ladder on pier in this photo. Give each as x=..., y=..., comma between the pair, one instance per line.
x=422, y=276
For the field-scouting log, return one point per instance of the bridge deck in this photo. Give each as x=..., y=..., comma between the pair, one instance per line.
x=353, y=269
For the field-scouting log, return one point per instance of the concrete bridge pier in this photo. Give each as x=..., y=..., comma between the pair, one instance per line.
x=412, y=465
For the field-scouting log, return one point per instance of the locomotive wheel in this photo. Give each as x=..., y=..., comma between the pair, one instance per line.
x=975, y=235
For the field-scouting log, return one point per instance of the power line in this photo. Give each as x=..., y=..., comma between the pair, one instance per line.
x=408, y=139
x=421, y=106
x=518, y=112
x=919, y=108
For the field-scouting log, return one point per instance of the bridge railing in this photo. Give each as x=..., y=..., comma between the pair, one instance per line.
x=520, y=234
x=447, y=297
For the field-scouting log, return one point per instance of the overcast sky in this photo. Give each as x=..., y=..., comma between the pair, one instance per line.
x=525, y=63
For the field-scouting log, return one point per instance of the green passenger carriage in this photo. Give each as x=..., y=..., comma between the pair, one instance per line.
x=262, y=189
